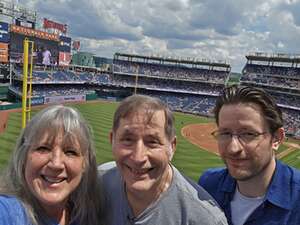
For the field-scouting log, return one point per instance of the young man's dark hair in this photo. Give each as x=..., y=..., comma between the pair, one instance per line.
x=250, y=95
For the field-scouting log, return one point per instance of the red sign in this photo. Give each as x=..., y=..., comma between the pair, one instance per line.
x=33, y=33
x=64, y=58
x=54, y=25
x=76, y=45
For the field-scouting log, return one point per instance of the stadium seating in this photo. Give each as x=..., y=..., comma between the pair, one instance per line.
x=283, y=83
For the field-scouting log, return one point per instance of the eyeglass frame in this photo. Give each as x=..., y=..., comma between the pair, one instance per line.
x=238, y=136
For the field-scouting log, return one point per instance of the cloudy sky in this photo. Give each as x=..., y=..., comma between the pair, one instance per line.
x=203, y=29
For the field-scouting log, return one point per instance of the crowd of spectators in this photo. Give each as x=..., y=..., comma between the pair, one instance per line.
x=275, y=81
x=286, y=99
x=191, y=90
x=170, y=71
x=188, y=103
x=166, y=84
x=196, y=104
x=292, y=121
x=274, y=70
x=65, y=76
x=56, y=90
x=283, y=83
x=184, y=88
x=285, y=77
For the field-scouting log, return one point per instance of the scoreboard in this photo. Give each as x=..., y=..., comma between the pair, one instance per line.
x=16, y=47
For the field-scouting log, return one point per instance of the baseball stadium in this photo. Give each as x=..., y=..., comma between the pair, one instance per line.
x=94, y=85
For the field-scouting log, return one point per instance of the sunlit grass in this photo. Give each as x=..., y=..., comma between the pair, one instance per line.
x=188, y=158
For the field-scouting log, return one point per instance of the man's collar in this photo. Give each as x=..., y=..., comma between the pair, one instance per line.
x=229, y=183
x=279, y=191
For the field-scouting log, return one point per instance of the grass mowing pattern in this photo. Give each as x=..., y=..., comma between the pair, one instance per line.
x=9, y=137
x=282, y=148
x=188, y=158
x=293, y=159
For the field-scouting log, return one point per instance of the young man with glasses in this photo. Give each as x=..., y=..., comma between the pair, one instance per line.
x=255, y=188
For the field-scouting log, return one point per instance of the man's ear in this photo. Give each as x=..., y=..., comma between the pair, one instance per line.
x=278, y=138
x=174, y=143
x=172, y=148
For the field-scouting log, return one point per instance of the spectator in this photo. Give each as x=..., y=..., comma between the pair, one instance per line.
x=46, y=57
x=255, y=188
x=40, y=55
x=145, y=188
x=51, y=178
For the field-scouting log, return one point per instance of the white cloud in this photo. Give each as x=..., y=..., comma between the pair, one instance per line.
x=212, y=29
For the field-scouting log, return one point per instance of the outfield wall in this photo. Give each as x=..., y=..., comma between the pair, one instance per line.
x=11, y=106
x=63, y=99
x=51, y=100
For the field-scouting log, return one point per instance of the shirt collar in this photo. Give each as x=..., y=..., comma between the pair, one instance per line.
x=229, y=183
x=279, y=191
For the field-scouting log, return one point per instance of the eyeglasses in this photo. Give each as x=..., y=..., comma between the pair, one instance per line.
x=244, y=137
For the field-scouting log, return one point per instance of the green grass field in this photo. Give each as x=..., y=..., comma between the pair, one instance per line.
x=282, y=148
x=188, y=158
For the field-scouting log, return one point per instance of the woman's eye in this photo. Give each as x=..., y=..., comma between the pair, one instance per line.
x=43, y=149
x=71, y=152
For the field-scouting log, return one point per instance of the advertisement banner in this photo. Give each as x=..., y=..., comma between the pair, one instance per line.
x=62, y=99
x=64, y=58
x=64, y=44
x=54, y=25
x=24, y=23
x=76, y=45
x=4, y=32
x=3, y=52
x=33, y=33
x=4, y=58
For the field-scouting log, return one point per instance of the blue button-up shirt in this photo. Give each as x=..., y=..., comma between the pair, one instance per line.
x=282, y=201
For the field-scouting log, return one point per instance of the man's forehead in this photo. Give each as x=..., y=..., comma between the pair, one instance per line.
x=140, y=119
x=141, y=131
x=146, y=117
x=248, y=115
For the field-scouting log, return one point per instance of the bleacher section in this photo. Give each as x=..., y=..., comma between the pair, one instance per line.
x=186, y=85
x=177, y=71
x=59, y=82
x=279, y=75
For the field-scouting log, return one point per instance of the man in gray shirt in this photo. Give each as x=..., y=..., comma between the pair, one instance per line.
x=143, y=187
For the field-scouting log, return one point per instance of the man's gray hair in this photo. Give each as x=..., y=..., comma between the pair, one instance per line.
x=151, y=105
